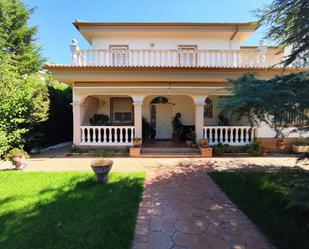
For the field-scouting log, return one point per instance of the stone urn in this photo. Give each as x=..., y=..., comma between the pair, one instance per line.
x=19, y=162
x=18, y=158
x=101, y=168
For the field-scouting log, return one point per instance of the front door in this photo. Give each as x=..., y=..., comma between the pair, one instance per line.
x=163, y=121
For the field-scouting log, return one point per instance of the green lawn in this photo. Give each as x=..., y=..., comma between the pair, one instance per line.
x=278, y=203
x=68, y=210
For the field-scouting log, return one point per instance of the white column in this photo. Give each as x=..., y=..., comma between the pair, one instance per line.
x=138, y=104
x=76, y=123
x=199, y=102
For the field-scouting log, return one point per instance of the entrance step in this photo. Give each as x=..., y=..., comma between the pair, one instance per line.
x=170, y=152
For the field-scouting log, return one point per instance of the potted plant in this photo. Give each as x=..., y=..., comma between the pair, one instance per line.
x=281, y=141
x=193, y=136
x=137, y=142
x=99, y=120
x=205, y=150
x=18, y=158
x=301, y=145
x=255, y=148
x=189, y=138
x=204, y=142
x=101, y=168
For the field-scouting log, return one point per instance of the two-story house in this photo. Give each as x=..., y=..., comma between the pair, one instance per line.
x=142, y=74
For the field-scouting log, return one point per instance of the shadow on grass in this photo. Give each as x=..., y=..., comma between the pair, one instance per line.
x=80, y=214
x=277, y=202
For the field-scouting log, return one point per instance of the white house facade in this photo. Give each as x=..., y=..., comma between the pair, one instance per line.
x=140, y=75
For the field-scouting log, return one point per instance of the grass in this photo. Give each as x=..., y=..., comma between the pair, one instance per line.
x=277, y=202
x=68, y=210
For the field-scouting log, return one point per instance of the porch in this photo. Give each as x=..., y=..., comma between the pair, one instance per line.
x=151, y=119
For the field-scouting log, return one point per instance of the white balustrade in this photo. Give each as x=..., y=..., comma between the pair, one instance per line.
x=175, y=58
x=107, y=135
x=231, y=135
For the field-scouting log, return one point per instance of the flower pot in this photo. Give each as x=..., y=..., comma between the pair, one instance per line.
x=300, y=148
x=137, y=143
x=194, y=145
x=204, y=143
x=281, y=144
x=102, y=170
x=19, y=162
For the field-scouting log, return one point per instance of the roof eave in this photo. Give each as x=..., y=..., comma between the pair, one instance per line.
x=78, y=24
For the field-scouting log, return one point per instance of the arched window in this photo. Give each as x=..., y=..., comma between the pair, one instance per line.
x=159, y=100
x=208, y=109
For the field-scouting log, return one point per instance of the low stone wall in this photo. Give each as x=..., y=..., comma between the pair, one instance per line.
x=270, y=144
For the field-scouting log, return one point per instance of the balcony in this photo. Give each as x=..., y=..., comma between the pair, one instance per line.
x=173, y=58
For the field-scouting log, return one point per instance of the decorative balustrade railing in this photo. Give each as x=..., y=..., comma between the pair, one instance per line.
x=175, y=58
x=231, y=135
x=107, y=135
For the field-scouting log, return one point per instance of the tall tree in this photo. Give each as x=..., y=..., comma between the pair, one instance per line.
x=23, y=90
x=17, y=38
x=280, y=102
x=287, y=23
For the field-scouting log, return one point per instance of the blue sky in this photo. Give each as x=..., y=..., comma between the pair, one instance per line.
x=54, y=17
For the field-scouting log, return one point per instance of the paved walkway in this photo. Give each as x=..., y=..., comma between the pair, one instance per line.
x=182, y=208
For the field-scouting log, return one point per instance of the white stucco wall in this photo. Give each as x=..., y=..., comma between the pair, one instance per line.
x=104, y=105
x=165, y=43
x=265, y=130
x=91, y=105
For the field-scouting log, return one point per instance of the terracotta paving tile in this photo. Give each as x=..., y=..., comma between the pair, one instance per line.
x=168, y=228
x=159, y=240
x=186, y=210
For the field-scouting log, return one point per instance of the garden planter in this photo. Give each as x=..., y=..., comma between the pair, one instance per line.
x=135, y=152
x=102, y=168
x=206, y=152
x=19, y=162
x=300, y=148
x=281, y=144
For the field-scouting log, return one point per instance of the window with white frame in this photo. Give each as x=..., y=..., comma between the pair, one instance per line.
x=120, y=54
x=122, y=110
x=187, y=55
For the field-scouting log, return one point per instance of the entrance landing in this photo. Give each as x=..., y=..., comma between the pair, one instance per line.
x=168, y=149
x=163, y=143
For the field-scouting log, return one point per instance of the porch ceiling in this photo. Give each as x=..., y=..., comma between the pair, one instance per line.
x=211, y=88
